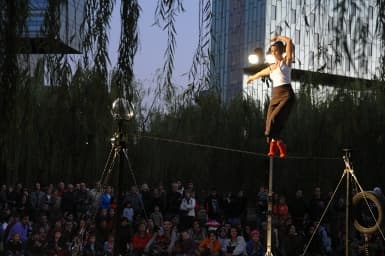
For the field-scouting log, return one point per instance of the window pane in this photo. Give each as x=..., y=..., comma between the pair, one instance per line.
x=273, y=12
x=297, y=36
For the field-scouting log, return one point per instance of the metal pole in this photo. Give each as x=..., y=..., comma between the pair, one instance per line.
x=269, y=208
x=347, y=212
x=118, y=189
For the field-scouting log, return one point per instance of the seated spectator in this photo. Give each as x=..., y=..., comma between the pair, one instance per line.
x=102, y=232
x=36, y=245
x=254, y=247
x=109, y=246
x=140, y=240
x=8, y=221
x=111, y=218
x=163, y=241
x=82, y=231
x=68, y=233
x=57, y=226
x=67, y=203
x=56, y=246
x=316, y=246
x=298, y=208
x=14, y=246
x=210, y=246
x=23, y=205
x=222, y=237
x=293, y=243
x=246, y=233
x=102, y=215
x=157, y=216
x=21, y=227
x=235, y=245
x=185, y=246
x=105, y=199
x=91, y=248
x=124, y=236
x=197, y=232
x=128, y=212
x=42, y=223
x=281, y=209
x=43, y=237
x=150, y=226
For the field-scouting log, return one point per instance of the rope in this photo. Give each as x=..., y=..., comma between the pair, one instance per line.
x=106, y=167
x=232, y=149
x=323, y=215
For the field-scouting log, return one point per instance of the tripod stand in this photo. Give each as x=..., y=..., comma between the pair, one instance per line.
x=118, y=151
x=350, y=176
x=122, y=111
x=117, y=147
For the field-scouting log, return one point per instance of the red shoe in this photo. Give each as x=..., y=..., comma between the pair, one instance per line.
x=273, y=148
x=282, y=149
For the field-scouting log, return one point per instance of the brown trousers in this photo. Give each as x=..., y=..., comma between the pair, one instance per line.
x=281, y=103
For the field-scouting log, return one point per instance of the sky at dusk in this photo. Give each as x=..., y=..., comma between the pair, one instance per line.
x=152, y=42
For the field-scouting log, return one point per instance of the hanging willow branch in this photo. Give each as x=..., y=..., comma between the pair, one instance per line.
x=95, y=26
x=200, y=71
x=165, y=14
x=128, y=46
x=12, y=21
x=57, y=65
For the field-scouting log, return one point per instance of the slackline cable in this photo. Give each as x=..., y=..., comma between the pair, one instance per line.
x=230, y=149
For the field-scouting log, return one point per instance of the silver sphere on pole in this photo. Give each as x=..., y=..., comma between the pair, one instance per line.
x=122, y=109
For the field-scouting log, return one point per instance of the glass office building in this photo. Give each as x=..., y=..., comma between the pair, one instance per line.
x=35, y=36
x=240, y=26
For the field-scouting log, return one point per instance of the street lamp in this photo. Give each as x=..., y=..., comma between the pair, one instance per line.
x=257, y=61
x=256, y=57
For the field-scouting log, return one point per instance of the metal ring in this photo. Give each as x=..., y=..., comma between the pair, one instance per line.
x=369, y=196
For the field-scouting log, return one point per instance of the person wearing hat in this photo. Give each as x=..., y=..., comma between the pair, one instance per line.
x=254, y=247
x=282, y=95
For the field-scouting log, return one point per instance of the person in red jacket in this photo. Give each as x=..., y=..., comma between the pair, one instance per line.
x=281, y=209
x=140, y=240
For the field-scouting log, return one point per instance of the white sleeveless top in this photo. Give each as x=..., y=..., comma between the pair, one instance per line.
x=281, y=75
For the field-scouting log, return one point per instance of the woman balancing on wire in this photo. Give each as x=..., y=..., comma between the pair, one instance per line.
x=282, y=96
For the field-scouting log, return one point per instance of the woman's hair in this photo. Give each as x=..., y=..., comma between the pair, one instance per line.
x=280, y=45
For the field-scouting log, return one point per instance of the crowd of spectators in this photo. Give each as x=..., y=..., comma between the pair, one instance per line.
x=78, y=220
